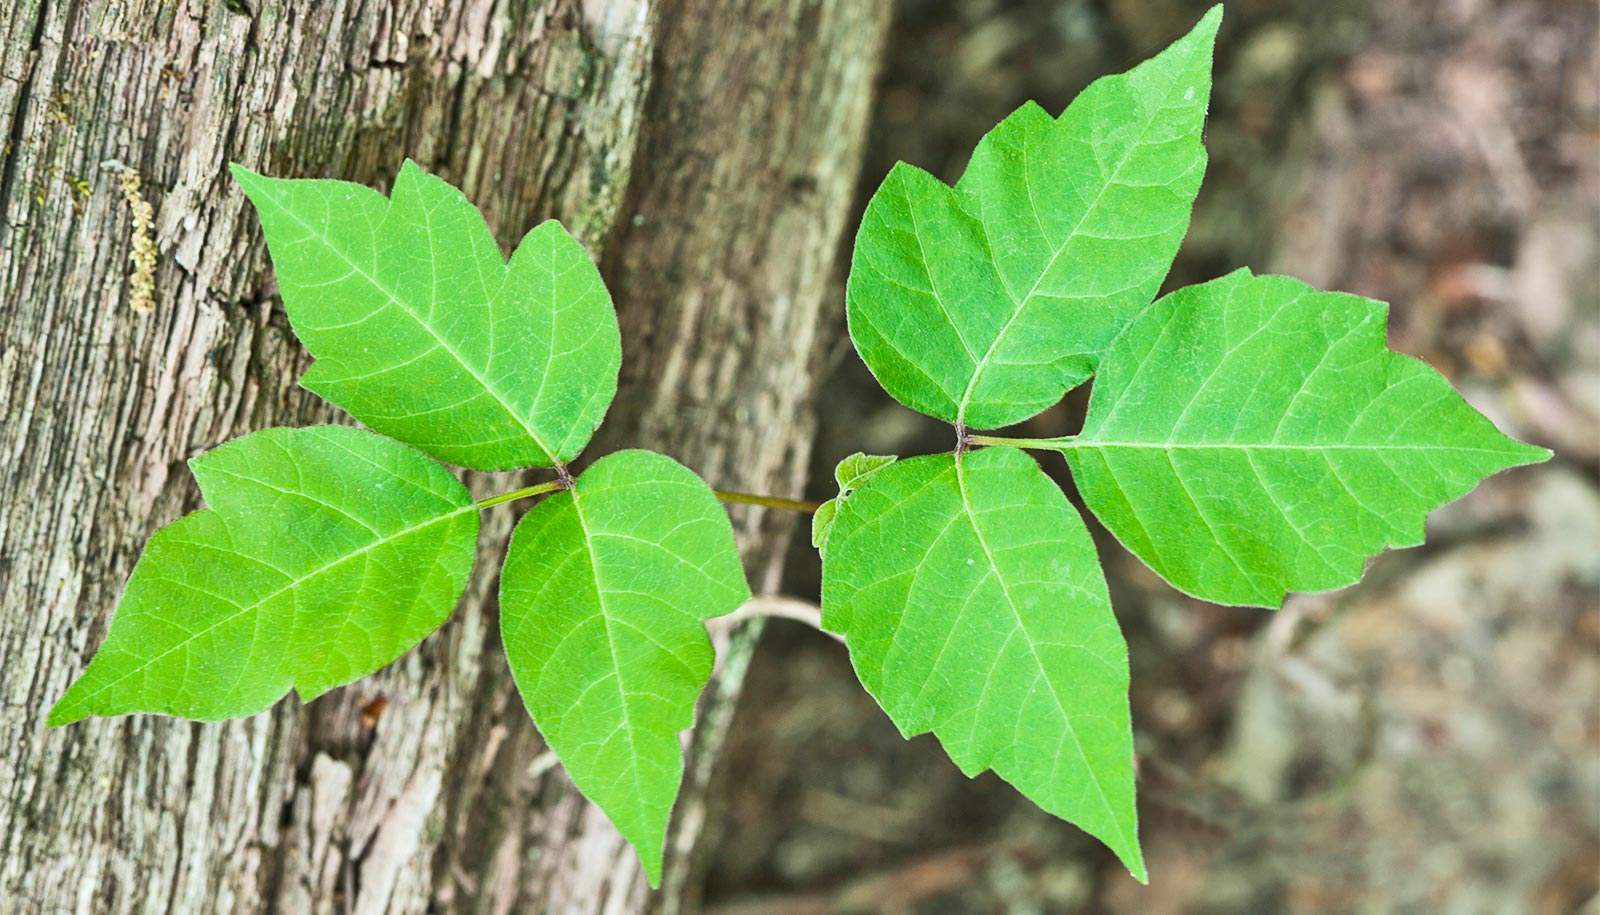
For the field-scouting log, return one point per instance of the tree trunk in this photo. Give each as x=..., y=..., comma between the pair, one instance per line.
x=707, y=148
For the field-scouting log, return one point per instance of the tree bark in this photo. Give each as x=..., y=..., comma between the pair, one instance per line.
x=706, y=149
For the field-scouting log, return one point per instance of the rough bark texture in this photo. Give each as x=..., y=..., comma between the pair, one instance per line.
x=708, y=148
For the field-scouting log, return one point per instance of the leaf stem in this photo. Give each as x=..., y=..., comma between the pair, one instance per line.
x=791, y=505
x=743, y=498
x=537, y=489
x=1065, y=443
x=774, y=606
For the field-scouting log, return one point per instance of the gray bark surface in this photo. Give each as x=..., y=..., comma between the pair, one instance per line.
x=705, y=150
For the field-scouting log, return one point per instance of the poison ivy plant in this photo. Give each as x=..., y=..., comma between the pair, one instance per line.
x=327, y=552
x=1245, y=437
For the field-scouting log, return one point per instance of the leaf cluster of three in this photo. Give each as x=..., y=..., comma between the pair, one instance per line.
x=1245, y=437
x=327, y=552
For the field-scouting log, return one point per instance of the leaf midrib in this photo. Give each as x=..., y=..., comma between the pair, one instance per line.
x=611, y=646
x=1092, y=444
x=400, y=303
x=966, y=503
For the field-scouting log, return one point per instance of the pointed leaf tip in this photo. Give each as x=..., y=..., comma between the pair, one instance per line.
x=1532, y=454
x=60, y=716
x=249, y=181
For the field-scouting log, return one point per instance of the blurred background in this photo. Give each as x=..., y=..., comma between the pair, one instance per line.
x=1426, y=741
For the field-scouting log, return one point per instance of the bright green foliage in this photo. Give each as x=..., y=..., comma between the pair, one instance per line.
x=329, y=551
x=981, y=305
x=851, y=473
x=973, y=605
x=1245, y=437
x=325, y=553
x=423, y=331
x=1252, y=436
x=602, y=604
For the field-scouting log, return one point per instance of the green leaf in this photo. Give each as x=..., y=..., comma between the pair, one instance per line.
x=973, y=605
x=423, y=331
x=602, y=604
x=822, y=523
x=851, y=472
x=858, y=468
x=1252, y=436
x=325, y=554
x=983, y=304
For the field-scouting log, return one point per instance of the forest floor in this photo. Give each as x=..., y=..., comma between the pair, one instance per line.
x=1425, y=741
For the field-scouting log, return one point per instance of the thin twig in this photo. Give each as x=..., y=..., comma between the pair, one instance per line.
x=746, y=498
x=781, y=606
